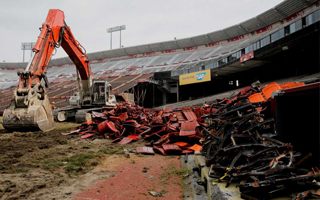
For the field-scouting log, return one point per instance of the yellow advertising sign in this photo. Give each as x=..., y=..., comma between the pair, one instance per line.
x=195, y=77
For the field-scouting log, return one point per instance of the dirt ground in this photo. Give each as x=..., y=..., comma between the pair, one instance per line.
x=35, y=165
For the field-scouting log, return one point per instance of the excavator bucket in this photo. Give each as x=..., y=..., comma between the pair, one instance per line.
x=37, y=116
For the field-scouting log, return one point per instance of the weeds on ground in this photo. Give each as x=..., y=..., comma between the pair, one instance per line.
x=115, y=149
x=52, y=164
x=80, y=162
x=1, y=127
x=64, y=126
x=174, y=171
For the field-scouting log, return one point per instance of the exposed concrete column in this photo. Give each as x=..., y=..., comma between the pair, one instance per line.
x=153, y=96
x=177, y=91
x=164, y=98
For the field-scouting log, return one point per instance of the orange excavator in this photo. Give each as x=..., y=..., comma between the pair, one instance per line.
x=30, y=109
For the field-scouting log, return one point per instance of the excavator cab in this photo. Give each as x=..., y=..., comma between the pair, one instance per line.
x=101, y=91
x=74, y=100
x=101, y=96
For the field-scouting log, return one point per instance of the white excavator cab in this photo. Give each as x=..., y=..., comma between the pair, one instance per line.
x=101, y=93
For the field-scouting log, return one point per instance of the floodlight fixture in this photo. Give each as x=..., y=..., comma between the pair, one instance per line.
x=27, y=46
x=115, y=29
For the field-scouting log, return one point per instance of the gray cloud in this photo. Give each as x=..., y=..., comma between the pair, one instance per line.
x=147, y=21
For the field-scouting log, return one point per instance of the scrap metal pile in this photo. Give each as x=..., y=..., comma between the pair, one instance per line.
x=236, y=135
x=241, y=146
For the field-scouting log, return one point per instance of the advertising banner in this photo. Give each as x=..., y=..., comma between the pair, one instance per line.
x=195, y=77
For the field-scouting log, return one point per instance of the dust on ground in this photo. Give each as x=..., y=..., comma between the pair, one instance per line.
x=36, y=165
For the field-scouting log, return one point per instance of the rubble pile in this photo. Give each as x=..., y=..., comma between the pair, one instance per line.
x=166, y=132
x=236, y=135
x=241, y=146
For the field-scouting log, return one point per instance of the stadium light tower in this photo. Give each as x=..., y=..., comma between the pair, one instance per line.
x=27, y=46
x=115, y=29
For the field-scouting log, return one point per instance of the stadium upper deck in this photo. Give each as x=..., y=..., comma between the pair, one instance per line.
x=214, y=50
x=210, y=49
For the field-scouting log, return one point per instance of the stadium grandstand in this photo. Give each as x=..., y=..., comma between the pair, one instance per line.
x=282, y=42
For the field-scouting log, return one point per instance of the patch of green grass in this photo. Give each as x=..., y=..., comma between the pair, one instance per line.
x=20, y=170
x=79, y=162
x=174, y=171
x=76, y=164
x=114, y=149
x=1, y=127
x=182, y=172
x=51, y=164
x=65, y=126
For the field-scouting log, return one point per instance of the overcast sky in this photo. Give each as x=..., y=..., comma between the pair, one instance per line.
x=147, y=21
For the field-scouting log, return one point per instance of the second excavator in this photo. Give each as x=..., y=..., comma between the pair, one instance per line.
x=30, y=109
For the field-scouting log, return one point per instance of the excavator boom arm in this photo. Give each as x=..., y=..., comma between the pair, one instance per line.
x=55, y=32
x=31, y=108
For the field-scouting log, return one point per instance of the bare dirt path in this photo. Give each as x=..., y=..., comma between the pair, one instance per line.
x=140, y=177
x=53, y=166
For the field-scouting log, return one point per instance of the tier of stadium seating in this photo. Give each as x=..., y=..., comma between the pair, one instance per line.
x=125, y=67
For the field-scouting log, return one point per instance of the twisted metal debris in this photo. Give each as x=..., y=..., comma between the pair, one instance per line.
x=241, y=146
